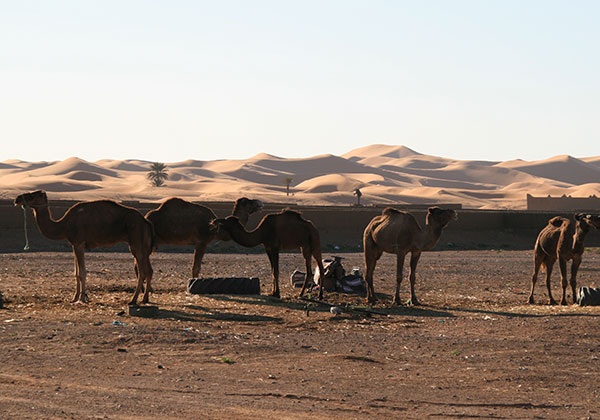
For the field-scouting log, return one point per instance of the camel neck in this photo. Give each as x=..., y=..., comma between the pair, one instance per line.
x=242, y=216
x=49, y=227
x=430, y=237
x=246, y=238
x=578, y=239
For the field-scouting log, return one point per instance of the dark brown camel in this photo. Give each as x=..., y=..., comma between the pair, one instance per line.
x=561, y=239
x=94, y=224
x=282, y=231
x=179, y=222
x=398, y=232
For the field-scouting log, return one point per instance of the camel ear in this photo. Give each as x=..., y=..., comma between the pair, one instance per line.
x=433, y=210
x=578, y=216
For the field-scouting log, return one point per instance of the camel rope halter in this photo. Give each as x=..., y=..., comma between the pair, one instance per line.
x=26, y=248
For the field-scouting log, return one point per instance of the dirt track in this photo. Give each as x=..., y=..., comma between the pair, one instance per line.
x=472, y=350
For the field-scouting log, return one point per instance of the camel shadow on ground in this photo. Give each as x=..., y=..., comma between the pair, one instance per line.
x=205, y=314
x=312, y=305
x=517, y=314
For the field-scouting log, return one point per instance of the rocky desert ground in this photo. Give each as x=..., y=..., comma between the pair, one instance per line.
x=473, y=349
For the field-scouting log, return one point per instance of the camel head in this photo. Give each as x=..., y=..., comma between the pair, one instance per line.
x=247, y=205
x=440, y=217
x=32, y=199
x=585, y=221
x=222, y=227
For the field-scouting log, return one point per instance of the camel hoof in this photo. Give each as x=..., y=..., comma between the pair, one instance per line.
x=275, y=295
x=551, y=302
x=530, y=300
x=396, y=302
x=413, y=302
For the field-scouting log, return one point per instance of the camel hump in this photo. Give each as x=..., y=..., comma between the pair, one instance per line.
x=390, y=211
x=290, y=212
x=557, y=221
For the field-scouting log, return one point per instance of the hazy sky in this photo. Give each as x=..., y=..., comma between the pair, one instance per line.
x=173, y=80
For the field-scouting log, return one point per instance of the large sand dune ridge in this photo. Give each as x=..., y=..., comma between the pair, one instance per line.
x=385, y=174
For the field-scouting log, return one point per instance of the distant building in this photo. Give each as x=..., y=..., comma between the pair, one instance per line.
x=563, y=203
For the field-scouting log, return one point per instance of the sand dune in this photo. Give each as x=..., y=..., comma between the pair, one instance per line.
x=386, y=174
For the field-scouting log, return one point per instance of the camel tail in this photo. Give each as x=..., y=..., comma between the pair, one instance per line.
x=145, y=229
x=152, y=238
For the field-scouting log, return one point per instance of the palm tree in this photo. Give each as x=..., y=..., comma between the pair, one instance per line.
x=287, y=181
x=157, y=174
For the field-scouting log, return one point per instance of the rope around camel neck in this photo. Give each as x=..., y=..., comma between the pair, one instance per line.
x=26, y=248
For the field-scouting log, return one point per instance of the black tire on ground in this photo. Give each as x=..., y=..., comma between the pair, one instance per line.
x=224, y=286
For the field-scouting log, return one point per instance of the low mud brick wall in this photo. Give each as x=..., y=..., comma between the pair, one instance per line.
x=341, y=227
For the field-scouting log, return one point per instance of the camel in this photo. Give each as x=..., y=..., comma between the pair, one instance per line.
x=398, y=232
x=94, y=224
x=282, y=231
x=561, y=239
x=179, y=222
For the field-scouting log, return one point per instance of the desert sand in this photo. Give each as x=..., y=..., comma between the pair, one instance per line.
x=385, y=174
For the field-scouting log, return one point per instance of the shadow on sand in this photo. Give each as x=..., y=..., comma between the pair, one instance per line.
x=518, y=314
x=313, y=305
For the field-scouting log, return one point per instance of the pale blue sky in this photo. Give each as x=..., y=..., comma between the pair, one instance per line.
x=174, y=80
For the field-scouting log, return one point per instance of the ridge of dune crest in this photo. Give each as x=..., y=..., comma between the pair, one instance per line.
x=380, y=150
x=386, y=175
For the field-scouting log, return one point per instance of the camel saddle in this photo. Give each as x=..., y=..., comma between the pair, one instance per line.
x=588, y=296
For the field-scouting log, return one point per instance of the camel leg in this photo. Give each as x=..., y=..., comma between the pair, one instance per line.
x=146, y=276
x=309, y=274
x=137, y=272
x=77, y=279
x=399, y=274
x=273, y=255
x=80, y=274
x=414, y=259
x=140, y=282
x=549, y=263
x=198, y=255
x=574, y=268
x=372, y=254
x=562, y=263
x=537, y=262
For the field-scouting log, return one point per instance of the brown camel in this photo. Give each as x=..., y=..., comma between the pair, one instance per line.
x=561, y=239
x=282, y=231
x=398, y=232
x=94, y=224
x=179, y=222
